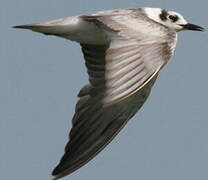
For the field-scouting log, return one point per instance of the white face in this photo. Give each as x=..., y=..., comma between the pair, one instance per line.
x=170, y=19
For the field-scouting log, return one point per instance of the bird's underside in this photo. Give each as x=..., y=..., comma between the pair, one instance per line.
x=122, y=69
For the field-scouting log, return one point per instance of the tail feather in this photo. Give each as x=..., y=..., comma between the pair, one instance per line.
x=55, y=27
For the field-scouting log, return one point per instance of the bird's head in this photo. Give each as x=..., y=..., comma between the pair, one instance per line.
x=170, y=19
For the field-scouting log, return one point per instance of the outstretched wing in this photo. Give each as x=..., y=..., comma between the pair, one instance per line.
x=121, y=75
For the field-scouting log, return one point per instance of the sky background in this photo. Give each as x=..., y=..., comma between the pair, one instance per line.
x=40, y=77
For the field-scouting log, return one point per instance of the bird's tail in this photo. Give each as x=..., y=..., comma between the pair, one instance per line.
x=55, y=27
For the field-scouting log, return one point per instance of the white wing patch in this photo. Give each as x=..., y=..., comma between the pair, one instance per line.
x=129, y=68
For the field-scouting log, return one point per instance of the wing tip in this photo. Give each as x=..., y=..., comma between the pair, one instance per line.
x=58, y=172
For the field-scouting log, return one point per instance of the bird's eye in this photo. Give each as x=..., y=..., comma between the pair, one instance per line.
x=173, y=18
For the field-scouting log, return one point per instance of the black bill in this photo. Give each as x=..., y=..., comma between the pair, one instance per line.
x=193, y=27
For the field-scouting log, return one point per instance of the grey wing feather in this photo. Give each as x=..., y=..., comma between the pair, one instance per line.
x=121, y=75
x=128, y=76
x=95, y=126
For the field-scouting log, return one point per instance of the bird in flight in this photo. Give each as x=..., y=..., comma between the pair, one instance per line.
x=124, y=50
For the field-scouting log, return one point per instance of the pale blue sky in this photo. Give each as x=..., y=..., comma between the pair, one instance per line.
x=41, y=75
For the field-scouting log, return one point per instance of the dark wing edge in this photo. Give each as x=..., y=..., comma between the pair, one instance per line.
x=106, y=130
